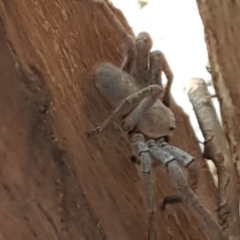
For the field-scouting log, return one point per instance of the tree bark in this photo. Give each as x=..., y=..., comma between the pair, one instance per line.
x=221, y=21
x=56, y=183
x=216, y=149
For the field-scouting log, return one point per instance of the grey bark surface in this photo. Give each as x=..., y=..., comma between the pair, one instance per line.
x=216, y=148
x=222, y=36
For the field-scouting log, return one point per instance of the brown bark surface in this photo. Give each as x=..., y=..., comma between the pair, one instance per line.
x=56, y=183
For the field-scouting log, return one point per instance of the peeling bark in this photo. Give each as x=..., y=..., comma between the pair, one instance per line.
x=217, y=149
x=222, y=36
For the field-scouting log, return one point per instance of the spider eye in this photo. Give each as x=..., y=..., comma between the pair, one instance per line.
x=171, y=128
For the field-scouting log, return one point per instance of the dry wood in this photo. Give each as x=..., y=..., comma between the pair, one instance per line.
x=222, y=36
x=216, y=149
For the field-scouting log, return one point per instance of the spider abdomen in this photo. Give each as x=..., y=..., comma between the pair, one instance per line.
x=114, y=84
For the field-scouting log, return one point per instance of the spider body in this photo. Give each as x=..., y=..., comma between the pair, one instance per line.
x=135, y=93
x=115, y=85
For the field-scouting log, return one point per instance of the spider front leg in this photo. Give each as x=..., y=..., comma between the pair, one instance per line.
x=135, y=116
x=150, y=92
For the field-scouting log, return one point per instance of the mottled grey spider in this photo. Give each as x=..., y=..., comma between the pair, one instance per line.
x=136, y=94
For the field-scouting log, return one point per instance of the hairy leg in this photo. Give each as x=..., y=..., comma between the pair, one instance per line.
x=187, y=195
x=128, y=42
x=158, y=63
x=141, y=150
x=159, y=154
x=128, y=104
x=155, y=69
x=184, y=158
x=165, y=158
x=135, y=116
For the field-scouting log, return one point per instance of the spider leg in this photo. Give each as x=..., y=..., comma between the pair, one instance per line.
x=155, y=69
x=136, y=115
x=158, y=63
x=185, y=159
x=128, y=46
x=165, y=158
x=159, y=154
x=188, y=196
x=143, y=47
x=141, y=150
x=129, y=103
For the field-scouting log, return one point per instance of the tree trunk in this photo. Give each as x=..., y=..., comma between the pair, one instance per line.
x=57, y=183
x=221, y=21
x=216, y=148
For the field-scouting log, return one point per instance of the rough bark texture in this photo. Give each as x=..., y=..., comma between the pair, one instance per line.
x=56, y=183
x=221, y=21
x=216, y=148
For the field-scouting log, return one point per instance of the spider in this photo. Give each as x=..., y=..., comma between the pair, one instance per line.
x=140, y=105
